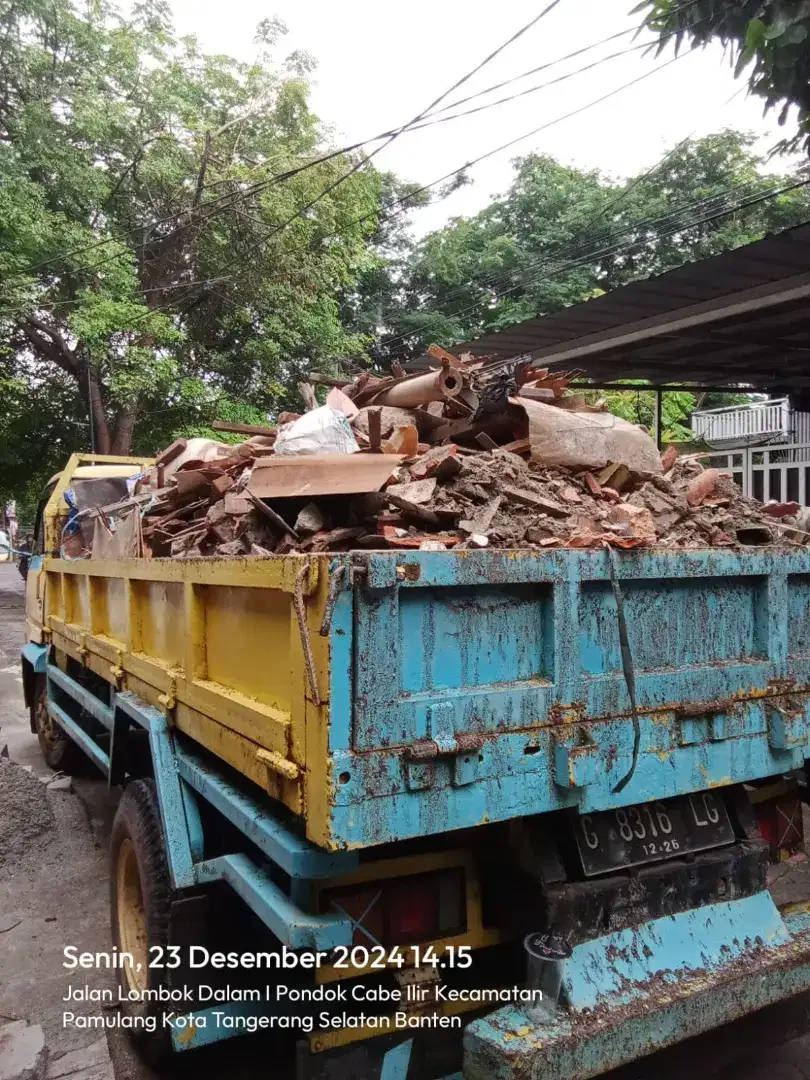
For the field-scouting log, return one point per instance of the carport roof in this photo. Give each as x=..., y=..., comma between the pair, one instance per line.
x=739, y=317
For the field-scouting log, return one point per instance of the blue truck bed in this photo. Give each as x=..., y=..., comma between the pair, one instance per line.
x=485, y=686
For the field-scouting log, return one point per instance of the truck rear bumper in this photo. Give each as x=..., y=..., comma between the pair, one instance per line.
x=633, y=992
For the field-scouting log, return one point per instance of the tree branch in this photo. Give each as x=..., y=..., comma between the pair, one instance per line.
x=54, y=347
x=201, y=175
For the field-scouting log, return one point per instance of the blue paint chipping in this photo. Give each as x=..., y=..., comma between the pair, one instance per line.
x=611, y=968
x=493, y=651
x=637, y=991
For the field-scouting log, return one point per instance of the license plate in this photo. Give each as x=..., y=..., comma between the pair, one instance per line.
x=632, y=835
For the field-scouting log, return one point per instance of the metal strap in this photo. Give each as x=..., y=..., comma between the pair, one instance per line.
x=627, y=665
x=336, y=576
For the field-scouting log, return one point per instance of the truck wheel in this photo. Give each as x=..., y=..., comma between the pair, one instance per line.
x=140, y=903
x=57, y=748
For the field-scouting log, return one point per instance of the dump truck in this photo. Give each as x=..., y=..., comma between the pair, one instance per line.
x=373, y=800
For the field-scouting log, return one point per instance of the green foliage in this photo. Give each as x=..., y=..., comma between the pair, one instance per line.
x=560, y=235
x=42, y=423
x=638, y=407
x=677, y=406
x=768, y=39
x=144, y=265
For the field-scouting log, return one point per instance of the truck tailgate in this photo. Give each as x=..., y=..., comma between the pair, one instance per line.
x=497, y=679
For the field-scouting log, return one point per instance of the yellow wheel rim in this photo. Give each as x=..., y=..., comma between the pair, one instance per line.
x=131, y=917
x=44, y=722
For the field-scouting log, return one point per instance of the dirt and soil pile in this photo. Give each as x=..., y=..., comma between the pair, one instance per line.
x=25, y=816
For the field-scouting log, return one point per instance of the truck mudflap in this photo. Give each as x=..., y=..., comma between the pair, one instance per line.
x=630, y=993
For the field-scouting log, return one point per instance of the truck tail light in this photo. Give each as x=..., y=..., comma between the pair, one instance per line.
x=780, y=823
x=404, y=910
x=412, y=910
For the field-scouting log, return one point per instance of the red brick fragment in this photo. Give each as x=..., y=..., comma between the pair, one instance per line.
x=669, y=457
x=702, y=486
x=780, y=510
x=440, y=462
x=593, y=484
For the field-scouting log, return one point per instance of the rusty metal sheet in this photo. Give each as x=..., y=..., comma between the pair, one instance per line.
x=305, y=475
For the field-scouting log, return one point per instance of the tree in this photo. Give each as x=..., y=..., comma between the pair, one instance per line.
x=42, y=421
x=475, y=272
x=767, y=37
x=151, y=258
x=560, y=236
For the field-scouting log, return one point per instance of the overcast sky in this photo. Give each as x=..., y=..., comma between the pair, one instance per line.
x=381, y=63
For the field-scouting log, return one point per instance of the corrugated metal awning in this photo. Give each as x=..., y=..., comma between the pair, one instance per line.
x=743, y=316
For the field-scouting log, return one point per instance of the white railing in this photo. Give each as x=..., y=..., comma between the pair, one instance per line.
x=769, y=473
x=763, y=421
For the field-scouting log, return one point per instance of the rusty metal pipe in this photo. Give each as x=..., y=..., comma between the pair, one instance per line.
x=441, y=385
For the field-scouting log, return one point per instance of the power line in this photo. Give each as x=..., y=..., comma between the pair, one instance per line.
x=223, y=200
x=682, y=226
x=491, y=153
x=410, y=195
x=440, y=119
x=521, y=138
x=540, y=67
x=668, y=224
x=388, y=136
x=672, y=218
x=492, y=281
x=52, y=304
x=677, y=226
x=301, y=211
x=570, y=56
x=609, y=209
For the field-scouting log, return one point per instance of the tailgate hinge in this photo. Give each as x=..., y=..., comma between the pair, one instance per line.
x=462, y=750
x=576, y=759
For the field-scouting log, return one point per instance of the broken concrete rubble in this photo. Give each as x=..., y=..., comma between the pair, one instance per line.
x=504, y=460
x=447, y=497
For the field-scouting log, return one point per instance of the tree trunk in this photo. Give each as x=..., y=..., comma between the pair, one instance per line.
x=124, y=426
x=101, y=442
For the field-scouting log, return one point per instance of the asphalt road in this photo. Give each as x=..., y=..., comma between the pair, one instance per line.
x=65, y=900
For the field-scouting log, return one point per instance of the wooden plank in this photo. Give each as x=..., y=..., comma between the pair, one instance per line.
x=307, y=475
x=172, y=451
x=243, y=429
x=375, y=429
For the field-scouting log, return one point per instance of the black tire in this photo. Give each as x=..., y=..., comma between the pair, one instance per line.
x=140, y=905
x=59, y=751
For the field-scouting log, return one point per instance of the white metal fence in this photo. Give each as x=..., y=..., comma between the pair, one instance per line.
x=761, y=420
x=747, y=425
x=781, y=473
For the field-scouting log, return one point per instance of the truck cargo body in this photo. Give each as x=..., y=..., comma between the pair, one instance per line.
x=455, y=690
x=385, y=716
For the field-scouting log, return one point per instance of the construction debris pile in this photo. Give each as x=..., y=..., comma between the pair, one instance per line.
x=466, y=455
